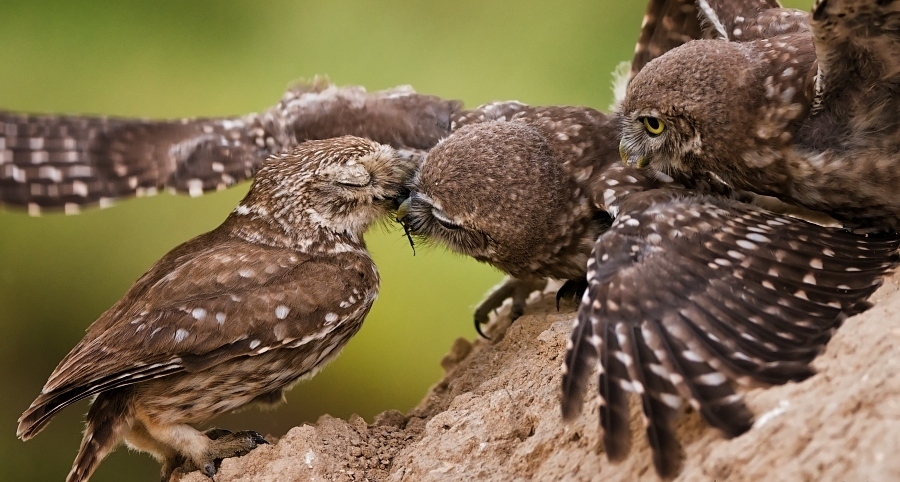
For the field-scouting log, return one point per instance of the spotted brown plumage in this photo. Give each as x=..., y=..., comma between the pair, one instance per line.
x=670, y=23
x=688, y=291
x=448, y=199
x=808, y=116
x=691, y=291
x=235, y=315
x=66, y=162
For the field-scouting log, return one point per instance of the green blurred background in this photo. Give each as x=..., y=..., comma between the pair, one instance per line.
x=208, y=58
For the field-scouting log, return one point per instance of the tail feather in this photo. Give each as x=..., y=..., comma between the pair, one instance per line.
x=613, y=385
x=103, y=432
x=46, y=405
x=659, y=400
x=580, y=355
x=582, y=351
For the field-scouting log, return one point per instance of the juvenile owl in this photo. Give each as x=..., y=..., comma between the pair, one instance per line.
x=809, y=117
x=67, y=162
x=233, y=316
x=688, y=293
x=448, y=199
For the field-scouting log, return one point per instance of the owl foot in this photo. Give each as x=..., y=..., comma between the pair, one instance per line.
x=225, y=444
x=572, y=289
x=511, y=288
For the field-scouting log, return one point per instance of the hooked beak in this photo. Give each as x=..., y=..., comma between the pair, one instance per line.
x=403, y=210
x=629, y=159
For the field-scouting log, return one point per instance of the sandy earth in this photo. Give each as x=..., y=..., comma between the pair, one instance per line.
x=495, y=416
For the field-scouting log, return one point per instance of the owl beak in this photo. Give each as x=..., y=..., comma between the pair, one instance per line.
x=403, y=210
x=630, y=159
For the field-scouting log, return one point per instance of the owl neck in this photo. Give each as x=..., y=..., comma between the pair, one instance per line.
x=259, y=225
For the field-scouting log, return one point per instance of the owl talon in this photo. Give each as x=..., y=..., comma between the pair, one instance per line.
x=209, y=468
x=511, y=288
x=225, y=444
x=480, y=332
x=572, y=289
x=216, y=433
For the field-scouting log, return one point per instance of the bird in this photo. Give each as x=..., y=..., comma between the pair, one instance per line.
x=67, y=163
x=690, y=289
x=234, y=316
x=446, y=204
x=807, y=116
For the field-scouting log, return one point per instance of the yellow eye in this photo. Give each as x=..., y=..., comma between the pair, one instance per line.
x=654, y=126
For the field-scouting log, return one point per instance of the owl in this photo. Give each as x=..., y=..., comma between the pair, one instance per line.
x=690, y=291
x=67, y=162
x=809, y=116
x=534, y=245
x=233, y=316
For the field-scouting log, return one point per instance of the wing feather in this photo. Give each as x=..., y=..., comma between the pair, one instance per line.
x=689, y=293
x=193, y=311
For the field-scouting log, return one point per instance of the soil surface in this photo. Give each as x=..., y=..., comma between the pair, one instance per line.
x=495, y=416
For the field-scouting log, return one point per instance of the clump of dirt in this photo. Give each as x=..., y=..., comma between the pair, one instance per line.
x=495, y=416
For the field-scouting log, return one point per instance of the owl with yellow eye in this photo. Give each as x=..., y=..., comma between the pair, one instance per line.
x=654, y=127
x=805, y=112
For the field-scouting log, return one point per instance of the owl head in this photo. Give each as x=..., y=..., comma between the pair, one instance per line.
x=496, y=192
x=686, y=108
x=717, y=106
x=342, y=185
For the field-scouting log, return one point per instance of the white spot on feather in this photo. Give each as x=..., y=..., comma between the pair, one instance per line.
x=195, y=187
x=180, y=335
x=714, y=378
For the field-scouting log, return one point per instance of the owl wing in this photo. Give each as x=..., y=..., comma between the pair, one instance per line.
x=193, y=311
x=687, y=292
x=69, y=161
x=858, y=50
x=492, y=111
x=670, y=23
x=743, y=21
x=64, y=162
x=666, y=25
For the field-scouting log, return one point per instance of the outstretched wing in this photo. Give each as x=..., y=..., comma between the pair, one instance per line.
x=670, y=23
x=858, y=49
x=742, y=21
x=687, y=292
x=666, y=25
x=68, y=161
x=64, y=162
x=194, y=311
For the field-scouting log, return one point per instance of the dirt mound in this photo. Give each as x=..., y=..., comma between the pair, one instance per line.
x=495, y=416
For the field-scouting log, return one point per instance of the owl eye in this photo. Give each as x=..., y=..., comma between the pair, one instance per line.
x=443, y=220
x=654, y=126
x=355, y=175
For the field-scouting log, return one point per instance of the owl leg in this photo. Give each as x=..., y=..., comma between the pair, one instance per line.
x=225, y=444
x=572, y=289
x=174, y=445
x=511, y=288
x=183, y=448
